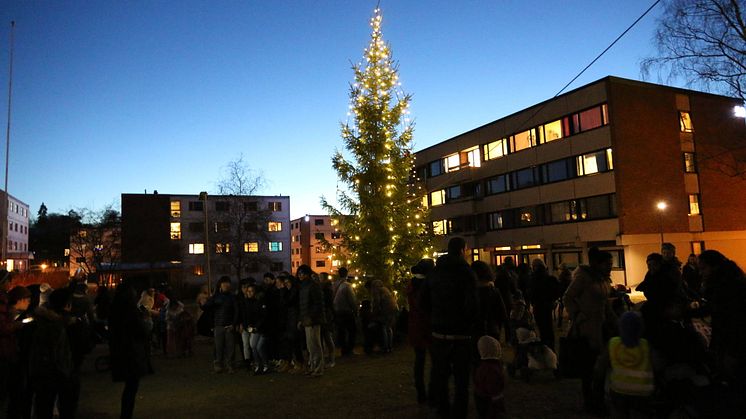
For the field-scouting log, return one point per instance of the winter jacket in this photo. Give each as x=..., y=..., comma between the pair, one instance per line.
x=382, y=304
x=492, y=313
x=8, y=345
x=344, y=298
x=418, y=320
x=225, y=309
x=728, y=302
x=311, y=303
x=253, y=314
x=51, y=359
x=450, y=297
x=631, y=368
x=546, y=291
x=129, y=345
x=489, y=385
x=587, y=302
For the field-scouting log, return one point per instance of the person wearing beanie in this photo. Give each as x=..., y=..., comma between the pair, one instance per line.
x=631, y=383
x=489, y=379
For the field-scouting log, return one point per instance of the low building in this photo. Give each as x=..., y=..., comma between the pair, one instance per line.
x=590, y=168
x=15, y=233
x=312, y=241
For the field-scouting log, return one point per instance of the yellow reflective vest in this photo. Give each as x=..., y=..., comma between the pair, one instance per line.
x=631, y=369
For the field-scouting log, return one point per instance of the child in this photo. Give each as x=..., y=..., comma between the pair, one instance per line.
x=631, y=382
x=489, y=381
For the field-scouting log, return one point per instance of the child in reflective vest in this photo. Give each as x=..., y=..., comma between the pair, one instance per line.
x=631, y=382
x=489, y=379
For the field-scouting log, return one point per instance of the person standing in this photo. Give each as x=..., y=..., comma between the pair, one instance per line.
x=691, y=278
x=311, y=317
x=225, y=310
x=383, y=312
x=129, y=346
x=19, y=391
x=345, y=307
x=546, y=291
x=419, y=324
x=564, y=279
x=450, y=298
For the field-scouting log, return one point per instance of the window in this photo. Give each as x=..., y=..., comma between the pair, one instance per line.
x=471, y=157
x=571, y=259
x=698, y=247
x=617, y=258
x=454, y=192
x=495, y=149
x=319, y=249
x=222, y=206
x=320, y=263
x=438, y=198
x=591, y=163
x=524, y=178
x=440, y=227
x=276, y=266
x=319, y=236
x=222, y=227
x=452, y=163
x=222, y=247
x=685, y=122
x=198, y=270
x=196, y=227
x=497, y=184
x=196, y=248
x=559, y=212
x=553, y=131
x=590, y=119
x=175, y=231
x=495, y=220
x=436, y=168
x=275, y=246
x=196, y=206
x=274, y=226
x=274, y=206
x=556, y=171
x=524, y=140
x=318, y=222
x=251, y=247
x=527, y=216
x=690, y=163
x=250, y=206
x=694, y=204
x=599, y=207
x=175, y=209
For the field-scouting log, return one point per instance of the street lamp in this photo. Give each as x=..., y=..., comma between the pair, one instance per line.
x=661, y=205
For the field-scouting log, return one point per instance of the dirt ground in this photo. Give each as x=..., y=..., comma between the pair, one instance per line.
x=360, y=387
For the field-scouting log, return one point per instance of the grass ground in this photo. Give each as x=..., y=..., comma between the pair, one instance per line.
x=358, y=387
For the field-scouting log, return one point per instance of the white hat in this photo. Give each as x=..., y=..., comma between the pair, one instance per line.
x=489, y=348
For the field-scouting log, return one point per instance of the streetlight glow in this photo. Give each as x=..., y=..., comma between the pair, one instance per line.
x=661, y=205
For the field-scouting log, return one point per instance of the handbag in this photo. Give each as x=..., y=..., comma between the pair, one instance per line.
x=575, y=355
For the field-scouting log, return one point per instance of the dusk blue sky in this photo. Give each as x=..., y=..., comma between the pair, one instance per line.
x=123, y=96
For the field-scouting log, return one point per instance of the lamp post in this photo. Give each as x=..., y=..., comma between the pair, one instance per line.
x=203, y=198
x=661, y=205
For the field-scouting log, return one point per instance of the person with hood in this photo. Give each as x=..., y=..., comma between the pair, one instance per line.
x=419, y=324
x=383, y=312
x=587, y=303
x=489, y=380
x=129, y=346
x=450, y=298
x=311, y=316
x=225, y=311
x=345, y=308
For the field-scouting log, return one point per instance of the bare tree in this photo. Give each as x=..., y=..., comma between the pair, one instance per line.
x=241, y=222
x=97, y=241
x=704, y=42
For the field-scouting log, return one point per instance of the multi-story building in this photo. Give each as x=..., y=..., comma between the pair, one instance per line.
x=216, y=235
x=16, y=228
x=618, y=164
x=311, y=237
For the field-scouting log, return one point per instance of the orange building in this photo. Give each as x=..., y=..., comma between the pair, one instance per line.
x=310, y=238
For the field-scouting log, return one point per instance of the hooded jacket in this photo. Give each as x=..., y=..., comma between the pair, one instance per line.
x=450, y=297
x=587, y=302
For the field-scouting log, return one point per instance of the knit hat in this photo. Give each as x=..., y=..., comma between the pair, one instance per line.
x=630, y=328
x=489, y=348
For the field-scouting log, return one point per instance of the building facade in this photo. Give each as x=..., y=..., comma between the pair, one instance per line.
x=311, y=238
x=16, y=233
x=207, y=235
x=592, y=167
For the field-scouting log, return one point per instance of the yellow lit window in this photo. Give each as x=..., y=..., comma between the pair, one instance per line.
x=251, y=247
x=472, y=157
x=274, y=226
x=495, y=149
x=609, y=159
x=694, y=204
x=198, y=270
x=424, y=201
x=553, y=131
x=523, y=140
x=440, y=227
x=222, y=247
x=453, y=162
x=176, y=209
x=685, y=122
x=175, y=231
x=438, y=198
x=196, y=248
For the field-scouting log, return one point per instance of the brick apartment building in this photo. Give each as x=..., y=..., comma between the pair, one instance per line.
x=168, y=233
x=309, y=236
x=589, y=168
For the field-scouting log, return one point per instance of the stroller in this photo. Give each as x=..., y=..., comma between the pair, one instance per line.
x=530, y=354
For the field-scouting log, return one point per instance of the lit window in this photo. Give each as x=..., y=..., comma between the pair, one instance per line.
x=495, y=149
x=685, y=122
x=196, y=248
x=523, y=140
x=453, y=162
x=472, y=157
x=739, y=111
x=440, y=227
x=590, y=165
x=175, y=231
x=553, y=131
x=222, y=247
x=438, y=198
x=495, y=221
x=694, y=204
x=176, y=209
x=609, y=159
x=274, y=226
x=591, y=118
x=275, y=246
x=690, y=163
x=251, y=247
x=424, y=201
x=198, y=270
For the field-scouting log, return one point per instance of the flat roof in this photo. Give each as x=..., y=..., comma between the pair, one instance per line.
x=208, y=195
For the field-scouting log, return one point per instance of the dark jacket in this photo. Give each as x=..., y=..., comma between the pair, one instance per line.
x=729, y=321
x=492, y=312
x=50, y=360
x=224, y=308
x=253, y=313
x=129, y=345
x=419, y=320
x=311, y=303
x=546, y=290
x=450, y=297
x=8, y=328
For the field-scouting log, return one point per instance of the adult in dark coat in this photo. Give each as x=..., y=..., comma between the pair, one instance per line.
x=128, y=345
x=450, y=297
x=311, y=318
x=225, y=309
x=546, y=291
x=691, y=278
x=419, y=324
x=492, y=311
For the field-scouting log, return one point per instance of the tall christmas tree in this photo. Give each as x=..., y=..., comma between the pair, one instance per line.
x=381, y=212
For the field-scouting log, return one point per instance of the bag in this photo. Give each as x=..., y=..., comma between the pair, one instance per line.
x=575, y=355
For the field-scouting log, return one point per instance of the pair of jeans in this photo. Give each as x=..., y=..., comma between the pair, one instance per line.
x=224, y=346
x=258, y=344
x=246, y=345
x=450, y=357
x=387, y=337
x=346, y=331
x=315, y=351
